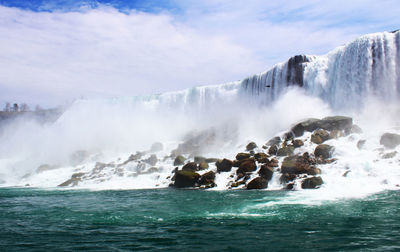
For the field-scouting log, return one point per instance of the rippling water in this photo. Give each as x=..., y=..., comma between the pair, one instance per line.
x=191, y=220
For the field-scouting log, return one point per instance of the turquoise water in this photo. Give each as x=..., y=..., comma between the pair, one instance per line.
x=192, y=220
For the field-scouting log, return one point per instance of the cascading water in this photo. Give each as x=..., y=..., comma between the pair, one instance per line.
x=232, y=114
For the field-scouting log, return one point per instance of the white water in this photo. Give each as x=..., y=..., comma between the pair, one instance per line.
x=360, y=79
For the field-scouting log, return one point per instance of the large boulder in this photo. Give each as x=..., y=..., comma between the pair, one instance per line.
x=261, y=157
x=251, y=146
x=273, y=150
x=207, y=179
x=247, y=166
x=224, y=165
x=203, y=166
x=297, y=143
x=299, y=165
x=74, y=180
x=274, y=141
x=312, y=183
x=324, y=151
x=192, y=166
x=199, y=159
x=307, y=125
x=179, y=160
x=242, y=155
x=319, y=136
x=186, y=178
x=336, y=123
x=285, y=151
x=390, y=140
x=257, y=183
x=266, y=172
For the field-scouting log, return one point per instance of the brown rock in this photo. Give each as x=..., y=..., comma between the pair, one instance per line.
x=224, y=165
x=257, y=183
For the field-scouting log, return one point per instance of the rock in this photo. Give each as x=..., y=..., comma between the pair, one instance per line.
x=238, y=183
x=356, y=129
x=389, y=155
x=298, y=165
x=203, y=166
x=157, y=146
x=273, y=162
x=311, y=183
x=261, y=157
x=199, y=159
x=273, y=150
x=319, y=136
x=257, y=183
x=285, y=151
x=288, y=136
x=286, y=178
x=74, y=180
x=307, y=125
x=251, y=146
x=186, y=179
x=324, y=151
x=247, y=166
x=274, y=141
x=336, y=123
x=390, y=140
x=266, y=172
x=152, y=160
x=211, y=160
x=207, y=178
x=361, y=143
x=179, y=160
x=191, y=166
x=224, y=165
x=297, y=143
x=241, y=156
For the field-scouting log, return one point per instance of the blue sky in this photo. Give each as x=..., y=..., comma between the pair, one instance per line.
x=57, y=51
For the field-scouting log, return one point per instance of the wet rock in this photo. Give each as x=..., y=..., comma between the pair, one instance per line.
x=242, y=156
x=285, y=151
x=257, y=183
x=324, y=151
x=273, y=162
x=261, y=157
x=186, y=179
x=179, y=160
x=389, y=155
x=289, y=136
x=203, y=166
x=319, y=136
x=191, y=166
x=336, y=123
x=312, y=183
x=199, y=159
x=157, y=146
x=298, y=165
x=361, y=144
x=266, y=172
x=335, y=134
x=74, y=180
x=390, y=140
x=286, y=178
x=207, y=179
x=273, y=150
x=238, y=183
x=152, y=160
x=297, y=143
x=251, y=146
x=224, y=165
x=274, y=141
x=247, y=166
x=307, y=125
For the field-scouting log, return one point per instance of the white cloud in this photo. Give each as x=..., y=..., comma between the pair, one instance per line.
x=48, y=58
